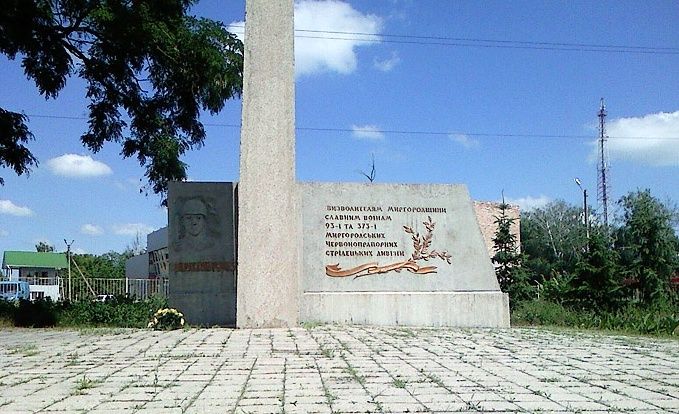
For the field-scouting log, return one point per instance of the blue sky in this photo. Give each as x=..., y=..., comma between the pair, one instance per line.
x=496, y=95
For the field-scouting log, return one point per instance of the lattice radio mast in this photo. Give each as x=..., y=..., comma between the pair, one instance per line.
x=602, y=165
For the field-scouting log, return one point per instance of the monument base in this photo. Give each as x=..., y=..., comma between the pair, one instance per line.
x=454, y=309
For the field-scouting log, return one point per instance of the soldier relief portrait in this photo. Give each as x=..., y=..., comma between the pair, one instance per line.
x=198, y=236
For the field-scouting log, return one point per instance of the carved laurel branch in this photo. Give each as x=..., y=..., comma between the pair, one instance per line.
x=421, y=245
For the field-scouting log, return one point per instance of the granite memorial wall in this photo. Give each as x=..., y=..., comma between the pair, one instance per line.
x=201, y=235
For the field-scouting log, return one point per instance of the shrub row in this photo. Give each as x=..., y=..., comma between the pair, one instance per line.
x=120, y=311
x=633, y=318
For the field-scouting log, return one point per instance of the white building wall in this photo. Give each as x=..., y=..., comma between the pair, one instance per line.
x=137, y=267
x=156, y=240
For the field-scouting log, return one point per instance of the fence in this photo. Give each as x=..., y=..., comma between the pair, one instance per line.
x=90, y=288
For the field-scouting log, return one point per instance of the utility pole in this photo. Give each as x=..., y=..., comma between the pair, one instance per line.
x=584, y=209
x=602, y=166
x=68, y=262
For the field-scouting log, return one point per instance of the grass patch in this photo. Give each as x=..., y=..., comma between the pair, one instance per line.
x=25, y=350
x=632, y=319
x=399, y=383
x=404, y=333
x=85, y=384
x=311, y=324
x=349, y=369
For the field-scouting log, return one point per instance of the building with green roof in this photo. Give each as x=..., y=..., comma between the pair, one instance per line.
x=39, y=269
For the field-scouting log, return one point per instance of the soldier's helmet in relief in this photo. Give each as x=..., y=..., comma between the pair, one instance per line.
x=195, y=206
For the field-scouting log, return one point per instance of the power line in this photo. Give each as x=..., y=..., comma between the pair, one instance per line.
x=480, y=42
x=405, y=132
x=468, y=39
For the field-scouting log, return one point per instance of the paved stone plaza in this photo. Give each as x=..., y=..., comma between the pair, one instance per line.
x=336, y=369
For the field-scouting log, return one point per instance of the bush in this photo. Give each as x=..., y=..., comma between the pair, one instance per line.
x=7, y=312
x=120, y=311
x=542, y=312
x=634, y=318
x=39, y=313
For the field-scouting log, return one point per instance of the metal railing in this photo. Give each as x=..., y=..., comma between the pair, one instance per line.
x=40, y=281
x=91, y=288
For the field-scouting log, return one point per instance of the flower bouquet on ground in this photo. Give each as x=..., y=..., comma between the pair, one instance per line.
x=167, y=319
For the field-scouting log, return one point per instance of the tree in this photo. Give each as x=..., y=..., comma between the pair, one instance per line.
x=649, y=246
x=371, y=176
x=107, y=265
x=508, y=260
x=150, y=69
x=506, y=257
x=597, y=282
x=553, y=238
x=43, y=247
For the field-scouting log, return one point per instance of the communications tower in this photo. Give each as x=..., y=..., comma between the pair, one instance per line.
x=602, y=166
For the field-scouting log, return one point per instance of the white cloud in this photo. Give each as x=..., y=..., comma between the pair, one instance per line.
x=317, y=49
x=367, y=132
x=387, y=64
x=131, y=229
x=7, y=207
x=127, y=184
x=530, y=203
x=79, y=250
x=91, y=229
x=651, y=139
x=464, y=140
x=73, y=165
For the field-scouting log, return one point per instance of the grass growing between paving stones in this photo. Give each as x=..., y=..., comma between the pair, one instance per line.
x=351, y=370
x=311, y=324
x=399, y=383
x=404, y=333
x=84, y=384
x=25, y=350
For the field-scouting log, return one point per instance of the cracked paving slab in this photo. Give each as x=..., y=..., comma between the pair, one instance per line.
x=335, y=369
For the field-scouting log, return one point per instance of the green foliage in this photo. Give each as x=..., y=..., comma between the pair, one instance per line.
x=655, y=320
x=543, y=312
x=506, y=257
x=7, y=313
x=649, y=247
x=584, y=288
x=107, y=265
x=13, y=135
x=149, y=67
x=511, y=275
x=121, y=311
x=597, y=281
x=39, y=313
x=553, y=238
x=558, y=288
x=42, y=247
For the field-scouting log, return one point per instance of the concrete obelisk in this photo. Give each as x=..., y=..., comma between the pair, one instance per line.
x=267, y=198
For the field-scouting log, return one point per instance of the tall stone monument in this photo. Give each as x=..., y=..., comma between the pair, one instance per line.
x=388, y=254
x=267, y=196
